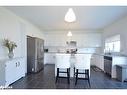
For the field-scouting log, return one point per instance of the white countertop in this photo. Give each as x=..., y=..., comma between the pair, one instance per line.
x=68, y=53
x=110, y=55
x=113, y=55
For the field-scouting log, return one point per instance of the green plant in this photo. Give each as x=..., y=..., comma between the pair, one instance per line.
x=10, y=45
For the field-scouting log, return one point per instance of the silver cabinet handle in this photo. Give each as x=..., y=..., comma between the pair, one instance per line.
x=16, y=64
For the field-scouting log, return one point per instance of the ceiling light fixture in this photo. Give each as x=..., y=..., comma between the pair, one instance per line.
x=69, y=34
x=70, y=16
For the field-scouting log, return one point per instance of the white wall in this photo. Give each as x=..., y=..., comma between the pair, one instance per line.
x=118, y=27
x=15, y=29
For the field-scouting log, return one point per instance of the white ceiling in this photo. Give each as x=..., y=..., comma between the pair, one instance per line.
x=87, y=17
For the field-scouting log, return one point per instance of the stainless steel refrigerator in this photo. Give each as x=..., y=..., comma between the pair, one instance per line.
x=35, y=54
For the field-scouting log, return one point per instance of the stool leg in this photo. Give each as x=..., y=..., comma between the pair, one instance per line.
x=74, y=71
x=76, y=76
x=68, y=75
x=57, y=76
x=88, y=78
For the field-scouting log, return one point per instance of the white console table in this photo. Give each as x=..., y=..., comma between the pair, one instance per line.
x=11, y=70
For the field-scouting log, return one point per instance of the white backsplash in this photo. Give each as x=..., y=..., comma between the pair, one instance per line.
x=79, y=50
x=55, y=49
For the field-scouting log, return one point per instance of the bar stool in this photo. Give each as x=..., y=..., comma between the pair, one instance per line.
x=63, y=62
x=82, y=66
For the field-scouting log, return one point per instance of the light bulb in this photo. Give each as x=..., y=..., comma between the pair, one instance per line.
x=70, y=16
x=69, y=34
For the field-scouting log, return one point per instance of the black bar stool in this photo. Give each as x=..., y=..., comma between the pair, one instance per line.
x=67, y=72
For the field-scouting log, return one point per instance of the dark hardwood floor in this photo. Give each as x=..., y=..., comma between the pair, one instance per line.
x=46, y=80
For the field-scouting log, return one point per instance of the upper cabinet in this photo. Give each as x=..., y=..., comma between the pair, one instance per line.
x=55, y=40
x=83, y=40
x=88, y=40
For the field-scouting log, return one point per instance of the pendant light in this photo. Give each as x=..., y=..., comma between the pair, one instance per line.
x=69, y=34
x=70, y=16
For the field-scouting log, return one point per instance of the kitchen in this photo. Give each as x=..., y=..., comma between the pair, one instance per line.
x=102, y=36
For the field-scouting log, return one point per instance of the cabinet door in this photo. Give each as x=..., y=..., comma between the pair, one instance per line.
x=49, y=58
x=20, y=71
x=22, y=67
x=10, y=70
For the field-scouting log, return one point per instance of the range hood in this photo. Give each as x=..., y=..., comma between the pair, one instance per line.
x=71, y=43
x=71, y=47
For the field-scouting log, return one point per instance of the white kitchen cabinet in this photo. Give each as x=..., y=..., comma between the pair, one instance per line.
x=49, y=58
x=117, y=60
x=98, y=61
x=82, y=39
x=11, y=70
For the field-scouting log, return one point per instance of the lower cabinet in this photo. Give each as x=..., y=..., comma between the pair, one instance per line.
x=98, y=61
x=49, y=58
x=121, y=72
x=11, y=70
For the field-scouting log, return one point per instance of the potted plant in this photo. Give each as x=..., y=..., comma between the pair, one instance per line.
x=11, y=46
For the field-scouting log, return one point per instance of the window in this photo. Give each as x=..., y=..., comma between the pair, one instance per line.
x=112, y=44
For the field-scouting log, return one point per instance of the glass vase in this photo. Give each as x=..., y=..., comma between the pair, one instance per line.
x=11, y=54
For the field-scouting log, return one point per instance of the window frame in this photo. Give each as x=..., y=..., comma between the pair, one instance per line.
x=112, y=40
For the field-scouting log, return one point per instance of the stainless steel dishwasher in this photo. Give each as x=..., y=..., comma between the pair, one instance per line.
x=108, y=65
